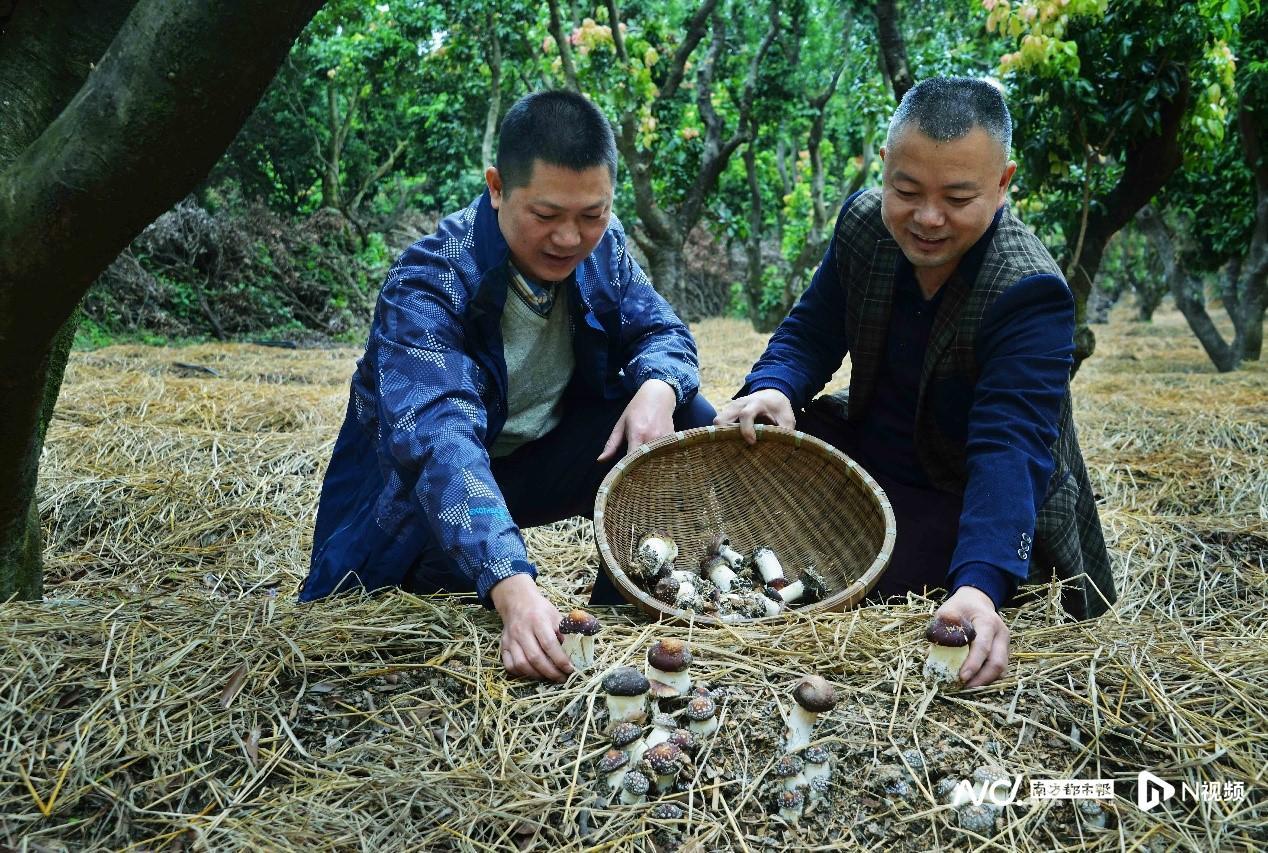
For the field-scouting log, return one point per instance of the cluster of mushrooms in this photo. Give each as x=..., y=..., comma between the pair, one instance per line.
x=803, y=773
x=727, y=584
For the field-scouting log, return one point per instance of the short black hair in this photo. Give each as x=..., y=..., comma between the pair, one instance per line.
x=558, y=127
x=946, y=108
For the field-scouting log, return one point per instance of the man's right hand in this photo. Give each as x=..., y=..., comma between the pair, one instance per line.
x=530, y=630
x=767, y=406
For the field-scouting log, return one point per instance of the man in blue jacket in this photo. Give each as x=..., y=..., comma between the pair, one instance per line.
x=960, y=328
x=514, y=355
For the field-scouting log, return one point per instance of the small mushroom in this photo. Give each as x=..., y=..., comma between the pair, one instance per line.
x=663, y=726
x=613, y=764
x=626, y=691
x=655, y=549
x=684, y=740
x=788, y=771
x=719, y=571
x=720, y=546
x=767, y=565
x=1092, y=812
x=665, y=811
x=634, y=787
x=629, y=738
x=578, y=629
x=665, y=760
x=949, y=643
x=818, y=789
x=790, y=804
x=817, y=761
x=702, y=716
x=808, y=589
x=977, y=818
x=812, y=696
x=667, y=664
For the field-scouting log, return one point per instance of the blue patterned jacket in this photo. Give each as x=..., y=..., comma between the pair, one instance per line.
x=410, y=470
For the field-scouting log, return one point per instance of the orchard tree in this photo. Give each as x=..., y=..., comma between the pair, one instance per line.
x=1105, y=97
x=111, y=115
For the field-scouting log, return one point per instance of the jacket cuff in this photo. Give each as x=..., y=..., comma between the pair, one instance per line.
x=772, y=383
x=998, y=584
x=494, y=573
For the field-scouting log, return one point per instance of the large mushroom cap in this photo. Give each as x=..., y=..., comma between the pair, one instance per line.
x=664, y=757
x=579, y=622
x=625, y=681
x=613, y=759
x=670, y=655
x=701, y=708
x=666, y=589
x=945, y=631
x=625, y=734
x=815, y=694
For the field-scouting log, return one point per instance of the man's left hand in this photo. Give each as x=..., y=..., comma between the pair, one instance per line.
x=988, y=657
x=648, y=416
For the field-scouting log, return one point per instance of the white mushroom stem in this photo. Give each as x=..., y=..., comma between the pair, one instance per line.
x=790, y=814
x=793, y=592
x=658, y=735
x=732, y=556
x=626, y=709
x=722, y=575
x=703, y=728
x=615, y=777
x=771, y=607
x=801, y=724
x=580, y=650
x=655, y=552
x=817, y=771
x=767, y=564
x=944, y=662
x=636, y=750
x=630, y=798
x=680, y=681
x=686, y=592
x=792, y=783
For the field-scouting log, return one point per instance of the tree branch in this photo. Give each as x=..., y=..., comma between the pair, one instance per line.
x=565, y=47
x=696, y=30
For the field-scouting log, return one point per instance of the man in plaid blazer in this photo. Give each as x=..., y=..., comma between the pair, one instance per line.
x=960, y=329
x=514, y=356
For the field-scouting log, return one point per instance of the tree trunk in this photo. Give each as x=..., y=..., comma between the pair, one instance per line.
x=668, y=275
x=90, y=161
x=759, y=312
x=1149, y=163
x=892, y=48
x=1187, y=292
x=494, y=60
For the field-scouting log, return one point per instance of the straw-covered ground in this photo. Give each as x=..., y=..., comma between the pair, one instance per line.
x=171, y=694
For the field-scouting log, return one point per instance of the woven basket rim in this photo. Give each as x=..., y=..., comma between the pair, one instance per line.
x=837, y=601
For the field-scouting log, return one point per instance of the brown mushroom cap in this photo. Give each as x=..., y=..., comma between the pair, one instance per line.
x=683, y=739
x=815, y=694
x=635, y=782
x=625, y=734
x=625, y=681
x=613, y=759
x=816, y=755
x=710, y=562
x=701, y=708
x=670, y=655
x=664, y=758
x=579, y=622
x=950, y=632
x=786, y=766
x=661, y=690
x=716, y=543
x=793, y=799
x=666, y=589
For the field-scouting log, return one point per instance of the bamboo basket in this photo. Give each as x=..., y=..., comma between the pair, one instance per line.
x=791, y=492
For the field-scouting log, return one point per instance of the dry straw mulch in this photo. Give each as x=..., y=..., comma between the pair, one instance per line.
x=171, y=694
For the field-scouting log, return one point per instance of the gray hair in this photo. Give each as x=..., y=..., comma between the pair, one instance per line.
x=946, y=108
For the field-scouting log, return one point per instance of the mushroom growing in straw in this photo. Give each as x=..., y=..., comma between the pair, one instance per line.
x=629, y=737
x=663, y=726
x=665, y=759
x=634, y=787
x=788, y=771
x=949, y=643
x=817, y=759
x=626, y=691
x=578, y=629
x=702, y=716
x=613, y=765
x=790, y=803
x=719, y=571
x=667, y=663
x=812, y=696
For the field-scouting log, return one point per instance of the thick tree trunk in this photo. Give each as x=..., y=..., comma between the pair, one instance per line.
x=494, y=111
x=1148, y=165
x=893, y=48
x=96, y=153
x=668, y=276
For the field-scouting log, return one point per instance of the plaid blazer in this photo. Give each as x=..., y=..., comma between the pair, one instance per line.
x=1068, y=538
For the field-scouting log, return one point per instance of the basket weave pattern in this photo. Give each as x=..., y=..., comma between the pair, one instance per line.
x=791, y=492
